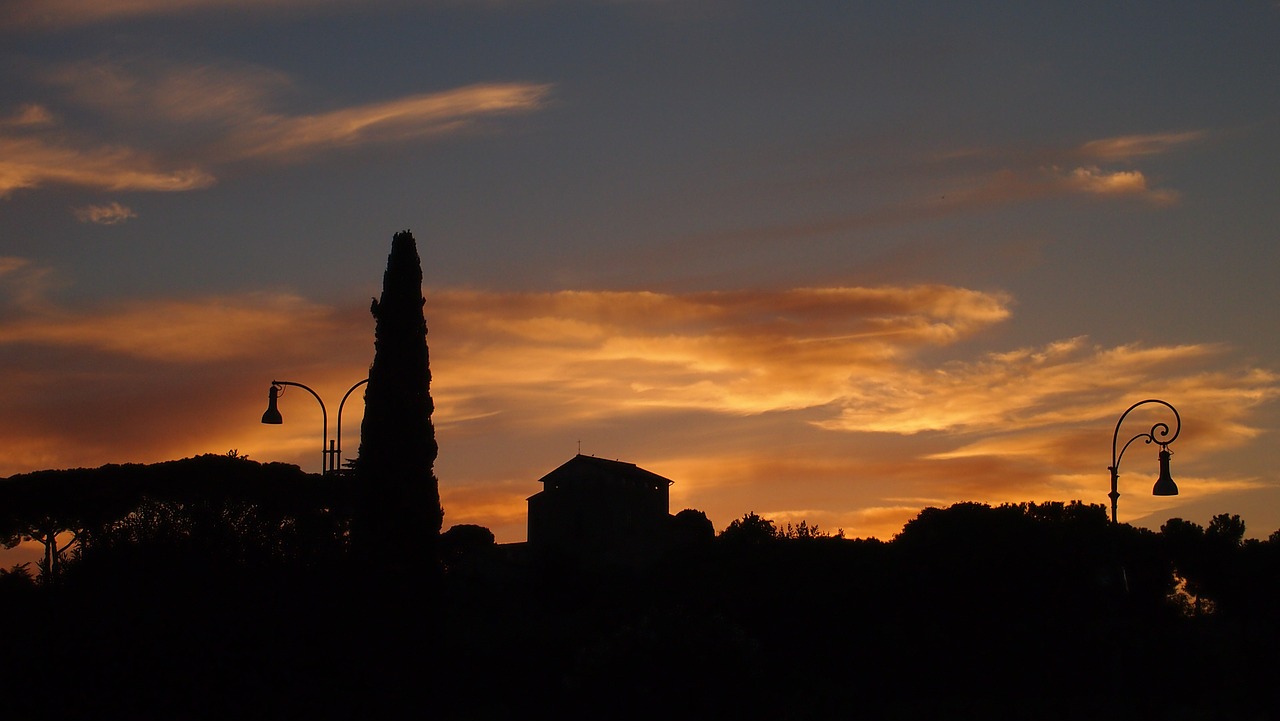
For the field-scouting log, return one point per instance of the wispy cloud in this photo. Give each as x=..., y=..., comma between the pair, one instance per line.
x=34, y=162
x=400, y=119
x=24, y=286
x=739, y=352
x=974, y=180
x=188, y=95
x=1117, y=148
x=1015, y=185
x=1025, y=388
x=112, y=213
x=236, y=107
x=202, y=330
x=1045, y=172
x=28, y=116
x=187, y=120
x=1128, y=147
x=37, y=149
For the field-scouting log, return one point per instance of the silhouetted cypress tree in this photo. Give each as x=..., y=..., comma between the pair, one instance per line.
x=402, y=514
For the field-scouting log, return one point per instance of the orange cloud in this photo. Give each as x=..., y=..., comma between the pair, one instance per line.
x=1019, y=185
x=110, y=214
x=210, y=329
x=804, y=403
x=33, y=162
x=10, y=265
x=1026, y=388
x=737, y=352
x=401, y=119
x=974, y=179
x=1125, y=147
x=1047, y=172
x=1120, y=183
x=23, y=284
x=30, y=115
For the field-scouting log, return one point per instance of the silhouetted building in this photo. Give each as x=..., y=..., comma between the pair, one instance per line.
x=599, y=511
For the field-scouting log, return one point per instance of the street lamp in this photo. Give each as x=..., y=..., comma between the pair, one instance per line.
x=1164, y=484
x=330, y=451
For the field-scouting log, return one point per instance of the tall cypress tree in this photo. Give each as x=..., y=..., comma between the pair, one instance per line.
x=395, y=467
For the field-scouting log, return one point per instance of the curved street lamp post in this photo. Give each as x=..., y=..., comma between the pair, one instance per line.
x=330, y=451
x=1159, y=434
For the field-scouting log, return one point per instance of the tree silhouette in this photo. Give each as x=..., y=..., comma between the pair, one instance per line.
x=1185, y=545
x=463, y=543
x=750, y=530
x=178, y=513
x=1226, y=529
x=397, y=456
x=16, y=577
x=56, y=508
x=805, y=532
x=1213, y=561
x=47, y=530
x=691, y=529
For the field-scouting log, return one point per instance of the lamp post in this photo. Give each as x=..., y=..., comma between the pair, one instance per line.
x=1159, y=434
x=330, y=451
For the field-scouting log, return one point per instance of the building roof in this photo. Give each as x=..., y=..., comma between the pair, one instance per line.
x=586, y=471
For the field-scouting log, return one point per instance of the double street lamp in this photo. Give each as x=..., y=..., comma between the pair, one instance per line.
x=330, y=451
x=1159, y=434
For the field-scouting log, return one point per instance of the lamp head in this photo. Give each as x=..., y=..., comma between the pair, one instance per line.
x=272, y=414
x=1164, y=484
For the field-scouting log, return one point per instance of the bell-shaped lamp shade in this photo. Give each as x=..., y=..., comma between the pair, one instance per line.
x=1164, y=484
x=272, y=415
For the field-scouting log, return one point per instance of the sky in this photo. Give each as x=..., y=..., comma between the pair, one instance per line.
x=830, y=261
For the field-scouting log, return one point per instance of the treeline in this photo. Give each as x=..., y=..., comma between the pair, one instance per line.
x=218, y=587
x=210, y=511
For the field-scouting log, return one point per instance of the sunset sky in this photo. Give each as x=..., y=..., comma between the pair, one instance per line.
x=825, y=260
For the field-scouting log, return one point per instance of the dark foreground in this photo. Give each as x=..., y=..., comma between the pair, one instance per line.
x=219, y=588
x=960, y=617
